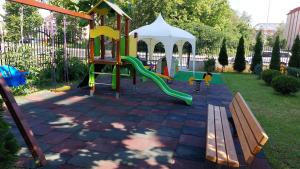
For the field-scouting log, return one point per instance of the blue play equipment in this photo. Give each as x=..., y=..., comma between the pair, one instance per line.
x=12, y=76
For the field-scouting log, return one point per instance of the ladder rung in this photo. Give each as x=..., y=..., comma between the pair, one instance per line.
x=105, y=84
x=100, y=73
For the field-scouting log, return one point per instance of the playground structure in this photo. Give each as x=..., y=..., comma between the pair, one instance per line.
x=124, y=46
x=97, y=59
x=125, y=53
x=102, y=9
x=162, y=68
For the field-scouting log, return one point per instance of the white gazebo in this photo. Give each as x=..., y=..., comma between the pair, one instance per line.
x=161, y=31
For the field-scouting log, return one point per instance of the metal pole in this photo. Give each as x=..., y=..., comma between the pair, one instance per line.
x=268, y=11
x=22, y=23
x=2, y=38
x=66, y=73
x=53, y=65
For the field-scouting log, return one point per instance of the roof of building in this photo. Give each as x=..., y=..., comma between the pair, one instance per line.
x=267, y=26
x=294, y=10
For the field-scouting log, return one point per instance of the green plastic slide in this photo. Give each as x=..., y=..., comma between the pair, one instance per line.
x=159, y=81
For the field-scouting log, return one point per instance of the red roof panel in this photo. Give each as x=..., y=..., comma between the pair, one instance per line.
x=294, y=10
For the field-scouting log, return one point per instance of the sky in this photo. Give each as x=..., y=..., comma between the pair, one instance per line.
x=257, y=9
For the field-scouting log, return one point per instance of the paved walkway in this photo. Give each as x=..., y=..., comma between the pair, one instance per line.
x=144, y=129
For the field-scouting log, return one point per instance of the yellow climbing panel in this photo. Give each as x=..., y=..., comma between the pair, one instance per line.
x=132, y=46
x=106, y=31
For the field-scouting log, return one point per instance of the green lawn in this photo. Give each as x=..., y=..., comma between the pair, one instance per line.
x=278, y=115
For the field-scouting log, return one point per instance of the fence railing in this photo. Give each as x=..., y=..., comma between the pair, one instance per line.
x=39, y=41
x=41, y=47
x=285, y=56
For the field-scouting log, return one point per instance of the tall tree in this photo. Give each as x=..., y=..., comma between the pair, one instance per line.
x=73, y=32
x=239, y=61
x=279, y=32
x=295, y=58
x=209, y=20
x=258, y=48
x=223, y=56
x=12, y=19
x=275, y=59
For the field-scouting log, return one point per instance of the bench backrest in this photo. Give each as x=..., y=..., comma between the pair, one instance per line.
x=251, y=135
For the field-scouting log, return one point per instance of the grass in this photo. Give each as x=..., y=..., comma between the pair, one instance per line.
x=279, y=116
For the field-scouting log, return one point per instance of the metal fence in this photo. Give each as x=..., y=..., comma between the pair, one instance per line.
x=204, y=55
x=157, y=56
x=41, y=45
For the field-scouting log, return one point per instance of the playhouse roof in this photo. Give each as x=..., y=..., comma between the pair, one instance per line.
x=114, y=7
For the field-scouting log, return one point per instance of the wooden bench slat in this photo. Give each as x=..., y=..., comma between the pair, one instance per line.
x=220, y=146
x=220, y=142
x=246, y=151
x=252, y=143
x=259, y=133
x=211, y=152
x=231, y=152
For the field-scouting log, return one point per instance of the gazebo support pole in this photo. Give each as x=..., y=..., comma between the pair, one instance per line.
x=102, y=39
x=194, y=58
x=180, y=49
x=118, y=57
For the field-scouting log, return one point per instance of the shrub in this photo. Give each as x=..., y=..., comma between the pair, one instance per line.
x=8, y=146
x=275, y=59
x=239, y=61
x=257, y=70
x=1, y=105
x=292, y=71
x=76, y=68
x=258, y=48
x=268, y=75
x=210, y=65
x=20, y=58
x=286, y=84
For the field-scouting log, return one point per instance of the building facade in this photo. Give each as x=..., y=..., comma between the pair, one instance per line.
x=50, y=26
x=292, y=28
x=267, y=29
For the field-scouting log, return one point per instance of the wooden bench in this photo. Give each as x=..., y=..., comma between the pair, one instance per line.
x=220, y=148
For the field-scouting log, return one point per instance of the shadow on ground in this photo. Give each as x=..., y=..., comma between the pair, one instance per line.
x=143, y=129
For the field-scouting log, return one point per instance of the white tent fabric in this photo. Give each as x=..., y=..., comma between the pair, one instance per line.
x=161, y=31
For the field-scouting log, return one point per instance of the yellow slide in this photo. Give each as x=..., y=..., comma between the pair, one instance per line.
x=163, y=76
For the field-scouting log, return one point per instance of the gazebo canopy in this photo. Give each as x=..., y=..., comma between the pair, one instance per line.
x=161, y=31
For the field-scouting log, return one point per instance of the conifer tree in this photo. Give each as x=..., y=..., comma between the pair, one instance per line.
x=295, y=58
x=275, y=59
x=223, y=57
x=258, y=48
x=240, y=62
